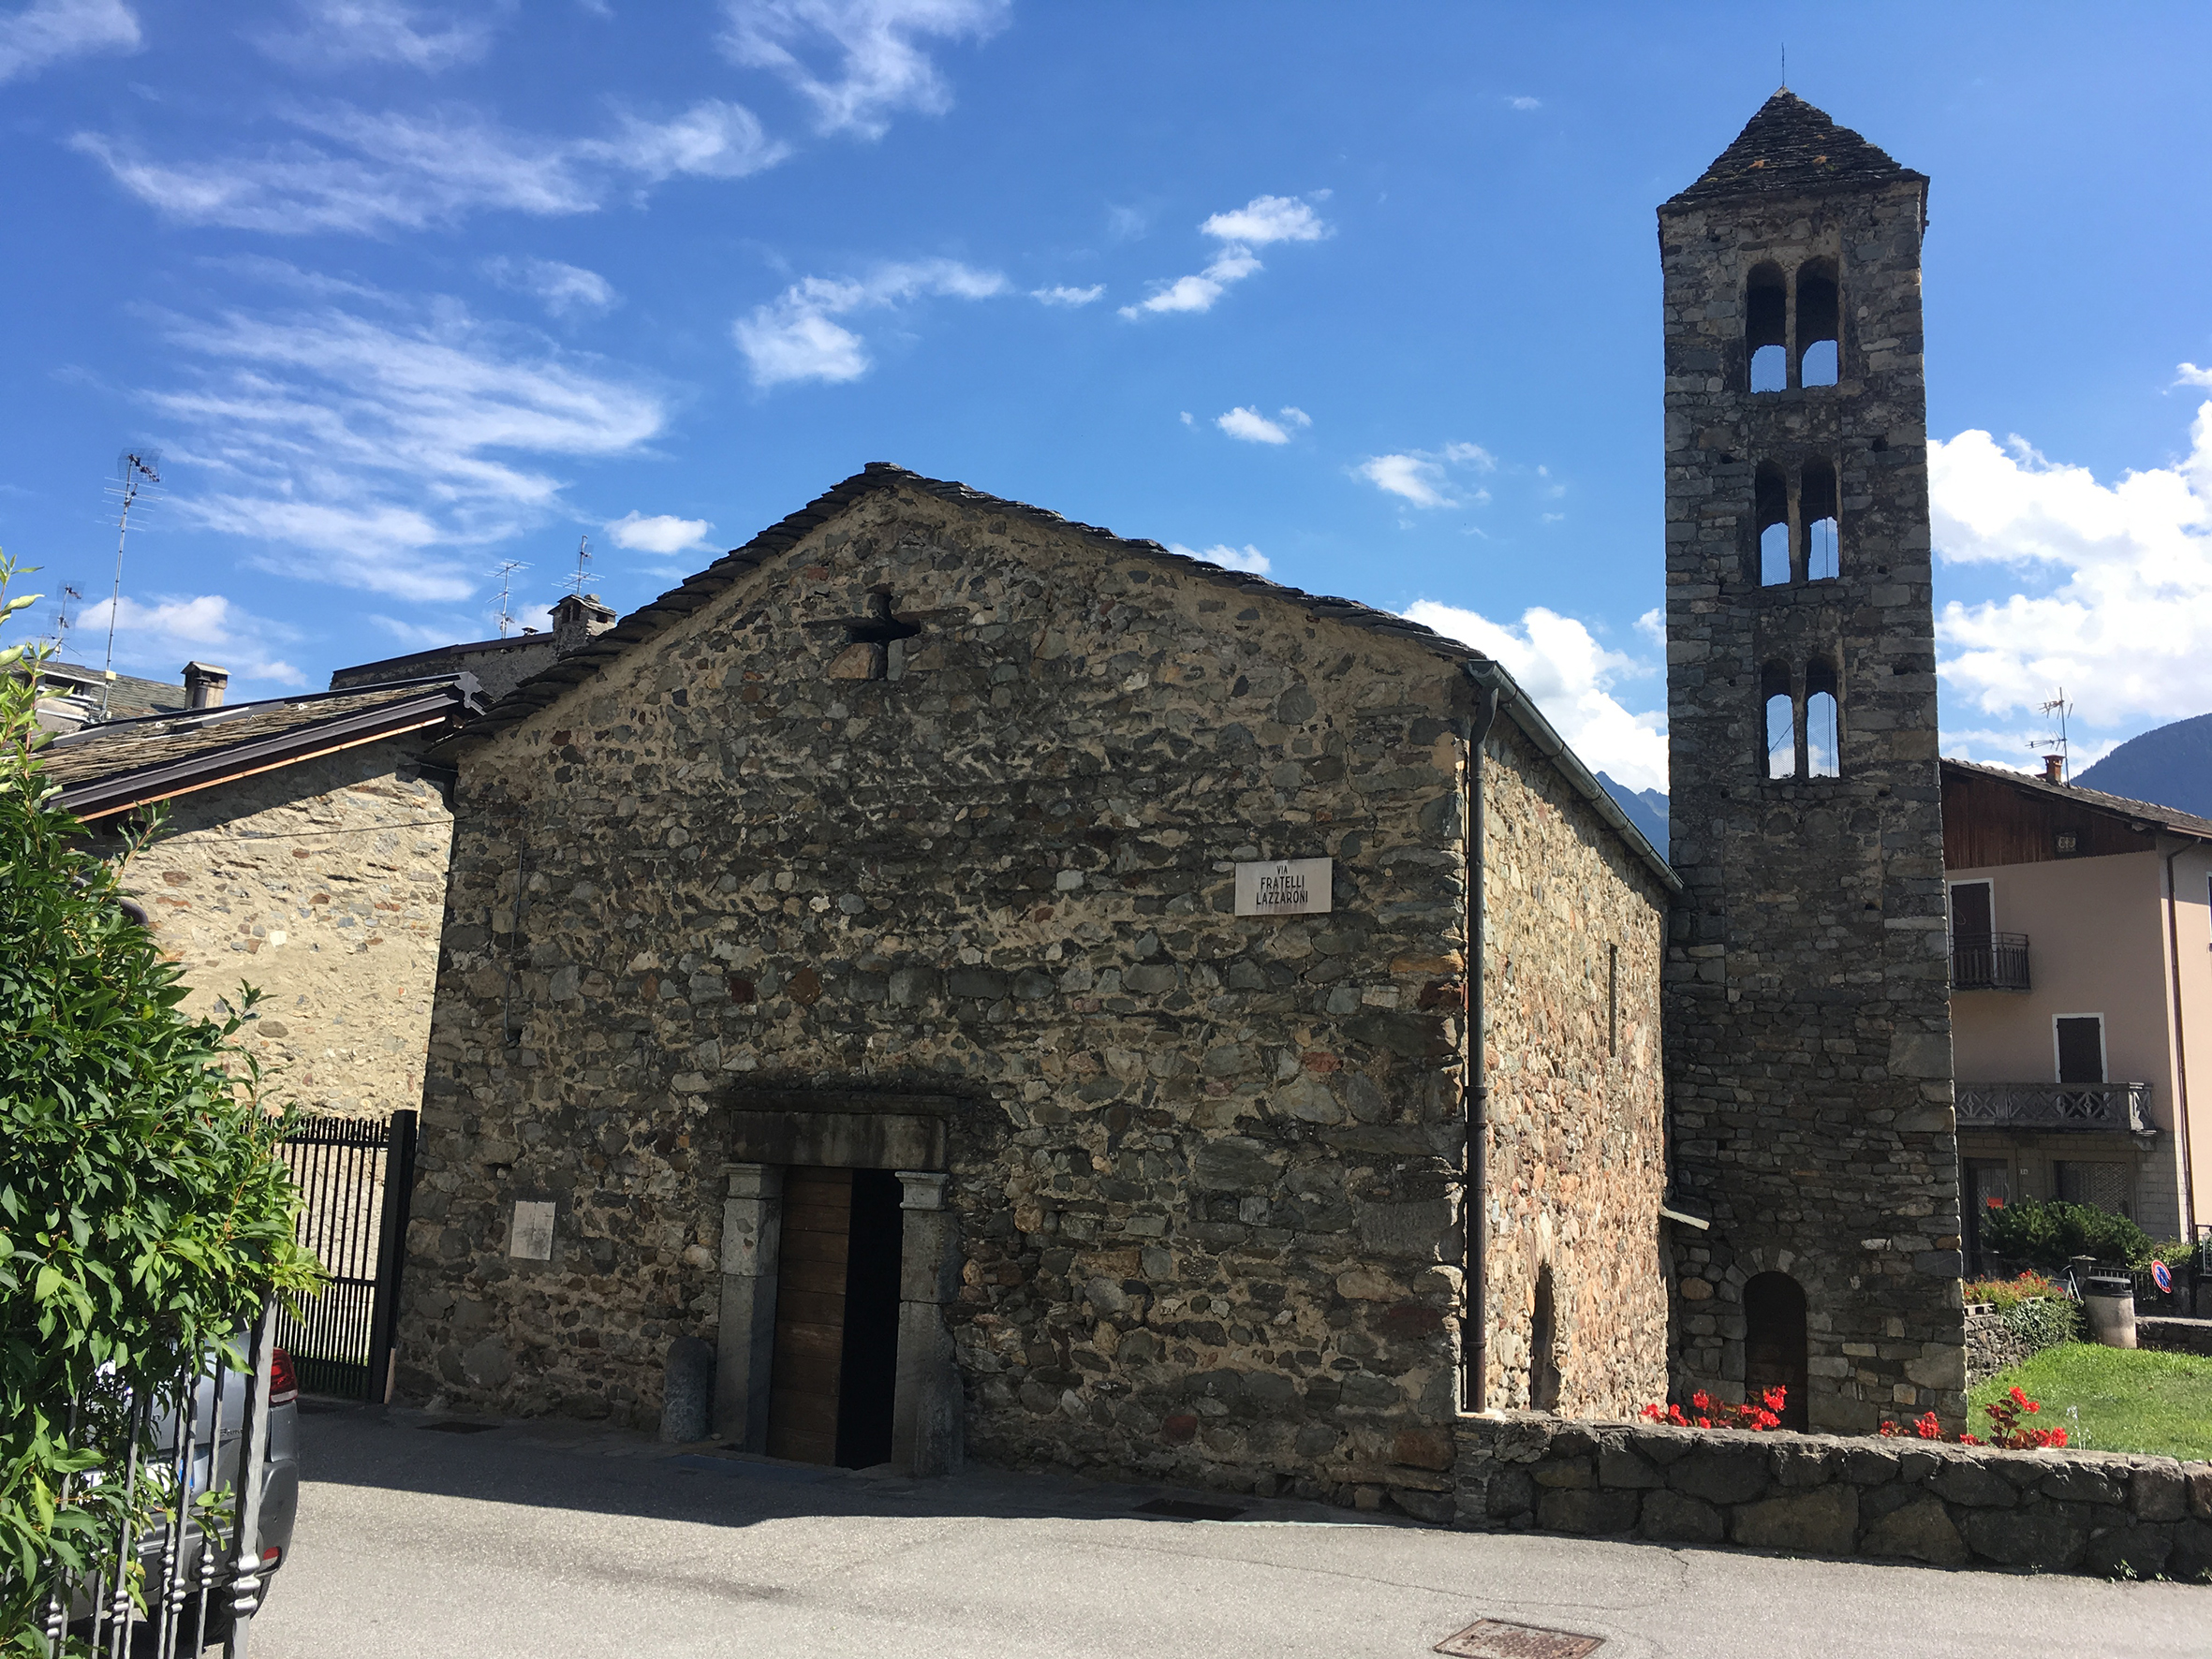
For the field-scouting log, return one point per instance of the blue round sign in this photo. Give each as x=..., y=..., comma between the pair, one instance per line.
x=2163, y=1276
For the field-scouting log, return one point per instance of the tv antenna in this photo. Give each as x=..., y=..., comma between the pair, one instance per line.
x=505, y=572
x=63, y=621
x=581, y=578
x=2056, y=745
x=136, y=469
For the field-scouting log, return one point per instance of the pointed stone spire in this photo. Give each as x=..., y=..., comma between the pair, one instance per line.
x=1791, y=148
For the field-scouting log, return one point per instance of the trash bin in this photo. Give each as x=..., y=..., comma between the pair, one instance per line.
x=2109, y=1300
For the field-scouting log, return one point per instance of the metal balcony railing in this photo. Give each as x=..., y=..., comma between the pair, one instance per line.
x=2056, y=1105
x=1989, y=961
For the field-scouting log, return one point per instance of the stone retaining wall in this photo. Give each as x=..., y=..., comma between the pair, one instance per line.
x=1994, y=1342
x=1822, y=1494
x=2176, y=1336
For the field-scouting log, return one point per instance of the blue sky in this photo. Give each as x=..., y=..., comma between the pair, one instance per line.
x=1365, y=295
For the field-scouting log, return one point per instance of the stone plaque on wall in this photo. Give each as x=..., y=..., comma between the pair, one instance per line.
x=532, y=1238
x=1284, y=886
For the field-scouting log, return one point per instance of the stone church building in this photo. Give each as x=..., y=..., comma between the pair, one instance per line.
x=1004, y=983
x=1008, y=987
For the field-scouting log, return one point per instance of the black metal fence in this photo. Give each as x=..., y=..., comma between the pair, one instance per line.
x=1989, y=961
x=357, y=1175
x=191, y=1571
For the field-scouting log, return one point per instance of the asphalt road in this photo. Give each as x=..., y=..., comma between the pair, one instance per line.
x=550, y=1540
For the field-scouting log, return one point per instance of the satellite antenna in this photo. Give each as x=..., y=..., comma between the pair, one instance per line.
x=2056, y=745
x=136, y=469
x=505, y=572
x=580, y=580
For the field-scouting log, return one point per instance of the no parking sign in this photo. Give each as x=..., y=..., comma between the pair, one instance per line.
x=2163, y=1276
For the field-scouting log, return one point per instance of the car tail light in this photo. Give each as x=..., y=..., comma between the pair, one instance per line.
x=284, y=1382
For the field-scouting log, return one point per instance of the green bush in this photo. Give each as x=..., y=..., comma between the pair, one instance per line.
x=2042, y=1322
x=143, y=1214
x=2048, y=1235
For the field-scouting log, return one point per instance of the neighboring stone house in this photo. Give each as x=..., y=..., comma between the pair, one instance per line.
x=305, y=852
x=2081, y=1001
x=71, y=694
x=497, y=666
x=1808, y=1002
x=845, y=962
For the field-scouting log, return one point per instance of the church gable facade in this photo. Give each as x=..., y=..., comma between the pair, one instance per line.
x=1005, y=987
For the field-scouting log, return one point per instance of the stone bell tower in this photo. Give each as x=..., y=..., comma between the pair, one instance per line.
x=1807, y=1021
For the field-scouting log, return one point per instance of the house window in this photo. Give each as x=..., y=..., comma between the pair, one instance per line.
x=1770, y=505
x=2101, y=1186
x=2079, y=1039
x=1823, y=733
x=1816, y=502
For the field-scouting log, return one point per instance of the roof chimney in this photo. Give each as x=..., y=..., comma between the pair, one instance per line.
x=578, y=618
x=2051, y=765
x=203, y=685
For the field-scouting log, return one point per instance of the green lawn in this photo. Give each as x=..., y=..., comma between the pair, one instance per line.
x=2130, y=1400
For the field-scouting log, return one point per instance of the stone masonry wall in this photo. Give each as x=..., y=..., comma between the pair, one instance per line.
x=1807, y=1015
x=1819, y=1494
x=323, y=885
x=1206, y=1176
x=1577, y=1153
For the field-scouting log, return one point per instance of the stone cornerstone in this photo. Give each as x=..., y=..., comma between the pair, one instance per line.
x=904, y=839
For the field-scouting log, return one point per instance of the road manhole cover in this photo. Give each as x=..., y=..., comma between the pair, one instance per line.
x=1184, y=1509
x=1494, y=1639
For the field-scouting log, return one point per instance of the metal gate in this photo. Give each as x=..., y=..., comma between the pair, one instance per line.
x=357, y=1176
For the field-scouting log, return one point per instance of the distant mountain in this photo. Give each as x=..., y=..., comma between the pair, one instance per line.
x=1646, y=810
x=2171, y=766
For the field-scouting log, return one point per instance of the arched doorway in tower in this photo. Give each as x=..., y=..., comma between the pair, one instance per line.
x=1774, y=1342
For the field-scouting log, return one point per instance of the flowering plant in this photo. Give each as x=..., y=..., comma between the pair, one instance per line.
x=1708, y=1413
x=2005, y=1429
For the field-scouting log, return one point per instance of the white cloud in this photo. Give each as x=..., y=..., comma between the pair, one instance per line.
x=1187, y=418
x=792, y=337
x=51, y=31
x=1263, y=220
x=879, y=67
x=1266, y=219
x=662, y=533
x=159, y=636
x=2190, y=374
x=2118, y=606
x=1251, y=426
x=372, y=453
x=340, y=33
x=1422, y=477
x=563, y=289
x=400, y=171
x=1652, y=625
x=1561, y=665
x=1524, y=103
x=1410, y=477
x=1068, y=296
x=1246, y=558
x=1294, y=415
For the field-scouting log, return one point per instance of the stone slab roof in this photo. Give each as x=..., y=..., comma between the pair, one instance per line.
x=125, y=763
x=129, y=698
x=2118, y=806
x=1789, y=148
x=698, y=590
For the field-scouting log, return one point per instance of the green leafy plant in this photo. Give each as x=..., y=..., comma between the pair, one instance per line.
x=2042, y=1322
x=2048, y=1235
x=145, y=1216
x=2003, y=1294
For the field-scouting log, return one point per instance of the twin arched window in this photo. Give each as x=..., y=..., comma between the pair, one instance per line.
x=1796, y=529
x=1791, y=345
x=1803, y=719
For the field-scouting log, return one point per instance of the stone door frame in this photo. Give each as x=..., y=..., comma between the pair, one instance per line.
x=773, y=1131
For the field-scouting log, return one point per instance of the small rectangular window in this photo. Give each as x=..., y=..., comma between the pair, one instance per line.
x=1974, y=914
x=2101, y=1186
x=1613, y=999
x=2081, y=1048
